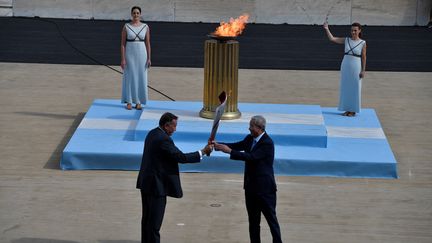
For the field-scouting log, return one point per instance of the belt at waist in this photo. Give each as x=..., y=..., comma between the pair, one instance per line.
x=354, y=55
x=135, y=40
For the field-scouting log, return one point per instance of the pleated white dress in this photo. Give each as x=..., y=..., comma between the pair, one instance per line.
x=350, y=82
x=134, y=87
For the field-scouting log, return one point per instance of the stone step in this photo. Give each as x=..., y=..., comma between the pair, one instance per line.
x=293, y=125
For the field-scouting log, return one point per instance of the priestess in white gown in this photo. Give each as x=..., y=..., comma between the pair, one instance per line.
x=135, y=52
x=350, y=82
x=352, y=69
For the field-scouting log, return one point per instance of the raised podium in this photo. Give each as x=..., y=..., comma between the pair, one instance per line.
x=309, y=140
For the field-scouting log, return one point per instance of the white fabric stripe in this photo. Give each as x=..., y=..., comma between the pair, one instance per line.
x=113, y=124
x=120, y=124
x=279, y=118
x=355, y=132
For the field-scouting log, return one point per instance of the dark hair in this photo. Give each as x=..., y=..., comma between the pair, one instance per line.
x=166, y=118
x=135, y=7
x=358, y=25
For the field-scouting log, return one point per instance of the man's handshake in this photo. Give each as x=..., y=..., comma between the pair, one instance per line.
x=221, y=147
x=207, y=149
x=216, y=146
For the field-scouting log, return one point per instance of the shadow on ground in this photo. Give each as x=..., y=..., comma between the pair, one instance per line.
x=54, y=160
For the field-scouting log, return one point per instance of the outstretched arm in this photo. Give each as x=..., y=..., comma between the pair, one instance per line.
x=175, y=154
x=337, y=40
x=227, y=147
x=221, y=147
x=258, y=154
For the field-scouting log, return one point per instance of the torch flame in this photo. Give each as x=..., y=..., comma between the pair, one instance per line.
x=234, y=28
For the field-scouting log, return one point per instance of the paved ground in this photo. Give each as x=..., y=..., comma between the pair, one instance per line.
x=42, y=104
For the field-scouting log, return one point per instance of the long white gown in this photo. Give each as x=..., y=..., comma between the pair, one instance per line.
x=350, y=82
x=134, y=87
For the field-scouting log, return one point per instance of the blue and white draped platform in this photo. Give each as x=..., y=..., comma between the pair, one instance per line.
x=309, y=140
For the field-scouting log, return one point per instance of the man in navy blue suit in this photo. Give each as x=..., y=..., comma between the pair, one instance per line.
x=257, y=150
x=159, y=175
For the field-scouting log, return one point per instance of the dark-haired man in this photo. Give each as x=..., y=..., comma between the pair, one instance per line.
x=159, y=175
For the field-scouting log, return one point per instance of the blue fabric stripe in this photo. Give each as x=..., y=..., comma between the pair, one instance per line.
x=343, y=157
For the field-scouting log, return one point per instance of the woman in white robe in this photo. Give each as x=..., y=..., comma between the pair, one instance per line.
x=352, y=69
x=135, y=60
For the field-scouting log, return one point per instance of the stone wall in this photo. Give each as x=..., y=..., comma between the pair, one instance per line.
x=339, y=12
x=6, y=8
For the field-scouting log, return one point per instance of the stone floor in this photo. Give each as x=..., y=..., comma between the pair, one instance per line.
x=42, y=104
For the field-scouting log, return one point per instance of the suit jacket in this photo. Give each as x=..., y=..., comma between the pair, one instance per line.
x=258, y=174
x=159, y=172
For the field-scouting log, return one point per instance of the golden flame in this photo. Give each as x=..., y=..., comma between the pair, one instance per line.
x=234, y=28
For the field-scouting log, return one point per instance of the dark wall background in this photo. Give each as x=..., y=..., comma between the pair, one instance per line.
x=262, y=46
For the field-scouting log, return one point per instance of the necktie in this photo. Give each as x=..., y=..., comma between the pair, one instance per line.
x=253, y=144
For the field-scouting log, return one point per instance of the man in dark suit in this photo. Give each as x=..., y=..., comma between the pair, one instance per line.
x=257, y=150
x=159, y=175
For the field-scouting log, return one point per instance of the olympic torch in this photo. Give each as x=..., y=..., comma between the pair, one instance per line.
x=218, y=114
